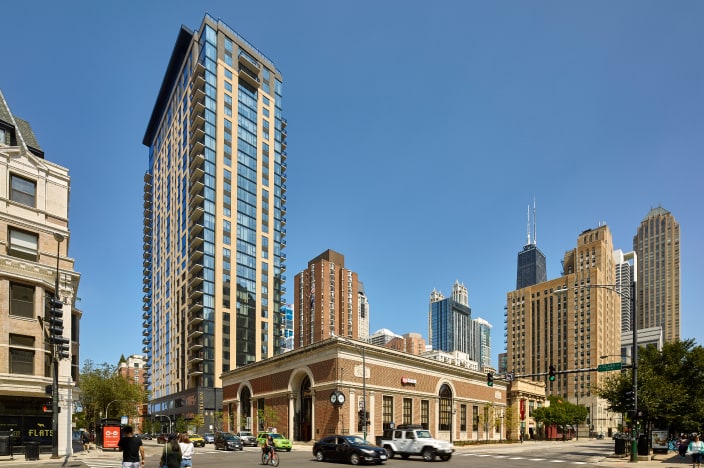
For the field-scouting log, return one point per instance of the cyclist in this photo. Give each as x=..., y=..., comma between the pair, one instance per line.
x=268, y=446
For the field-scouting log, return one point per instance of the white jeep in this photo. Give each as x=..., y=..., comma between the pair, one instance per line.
x=407, y=440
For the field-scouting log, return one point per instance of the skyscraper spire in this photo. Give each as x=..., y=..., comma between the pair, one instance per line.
x=535, y=227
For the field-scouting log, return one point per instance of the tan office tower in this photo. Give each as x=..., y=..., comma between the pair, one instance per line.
x=214, y=220
x=326, y=296
x=34, y=265
x=569, y=323
x=657, y=245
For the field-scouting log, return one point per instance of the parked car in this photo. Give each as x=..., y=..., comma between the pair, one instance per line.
x=227, y=441
x=198, y=440
x=248, y=439
x=280, y=442
x=408, y=439
x=348, y=448
x=209, y=437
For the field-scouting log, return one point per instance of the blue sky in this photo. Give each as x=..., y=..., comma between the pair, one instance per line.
x=419, y=133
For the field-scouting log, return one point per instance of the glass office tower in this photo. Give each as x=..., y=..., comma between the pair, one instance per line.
x=214, y=218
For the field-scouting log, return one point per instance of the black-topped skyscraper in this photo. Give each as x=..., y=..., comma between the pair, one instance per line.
x=214, y=225
x=531, y=261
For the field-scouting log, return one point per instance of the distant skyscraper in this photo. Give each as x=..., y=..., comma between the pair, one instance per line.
x=362, y=313
x=288, y=327
x=625, y=274
x=326, y=298
x=214, y=206
x=657, y=245
x=449, y=320
x=382, y=337
x=481, y=342
x=531, y=261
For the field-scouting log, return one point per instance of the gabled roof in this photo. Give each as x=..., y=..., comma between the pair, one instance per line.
x=23, y=131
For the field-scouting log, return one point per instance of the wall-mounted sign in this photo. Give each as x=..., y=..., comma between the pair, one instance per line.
x=408, y=381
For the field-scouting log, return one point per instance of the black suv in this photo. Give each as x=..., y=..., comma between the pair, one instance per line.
x=227, y=441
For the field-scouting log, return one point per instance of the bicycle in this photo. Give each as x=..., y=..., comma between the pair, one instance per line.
x=272, y=460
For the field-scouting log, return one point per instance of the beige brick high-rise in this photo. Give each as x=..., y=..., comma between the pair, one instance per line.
x=570, y=328
x=657, y=244
x=34, y=195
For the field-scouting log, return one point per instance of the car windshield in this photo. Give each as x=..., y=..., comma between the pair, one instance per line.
x=276, y=436
x=355, y=440
x=424, y=435
x=228, y=437
x=246, y=434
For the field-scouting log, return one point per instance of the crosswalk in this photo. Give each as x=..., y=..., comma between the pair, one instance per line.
x=529, y=459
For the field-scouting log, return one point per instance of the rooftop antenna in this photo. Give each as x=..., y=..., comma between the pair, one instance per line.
x=535, y=228
x=528, y=226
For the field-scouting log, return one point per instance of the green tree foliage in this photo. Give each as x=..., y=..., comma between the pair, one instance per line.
x=101, y=389
x=197, y=421
x=669, y=386
x=560, y=413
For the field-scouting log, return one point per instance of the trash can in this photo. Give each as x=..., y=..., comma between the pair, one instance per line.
x=620, y=446
x=31, y=451
x=643, y=448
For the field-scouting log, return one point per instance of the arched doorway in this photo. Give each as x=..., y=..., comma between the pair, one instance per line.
x=445, y=396
x=304, y=415
x=245, y=422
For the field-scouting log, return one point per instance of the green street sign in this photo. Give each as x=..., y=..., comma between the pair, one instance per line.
x=609, y=367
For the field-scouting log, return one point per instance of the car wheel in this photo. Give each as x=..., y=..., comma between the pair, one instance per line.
x=319, y=456
x=288, y=449
x=354, y=459
x=428, y=454
x=389, y=452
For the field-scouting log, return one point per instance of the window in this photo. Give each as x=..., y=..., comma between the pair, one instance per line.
x=23, y=244
x=445, y=407
x=21, y=300
x=21, y=354
x=387, y=411
x=23, y=190
x=425, y=414
x=463, y=417
x=407, y=411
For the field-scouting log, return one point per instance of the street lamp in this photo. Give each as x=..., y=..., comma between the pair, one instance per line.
x=165, y=416
x=634, y=358
x=364, y=385
x=55, y=381
x=113, y=401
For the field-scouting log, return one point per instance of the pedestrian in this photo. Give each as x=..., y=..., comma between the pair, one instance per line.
x=86, y=441
x=187, y=450
x=696, y=449
x=171, y=458
x=682, y=445
x=131, y=448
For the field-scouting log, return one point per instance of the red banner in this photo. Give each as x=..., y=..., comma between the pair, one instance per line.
x=523, y=409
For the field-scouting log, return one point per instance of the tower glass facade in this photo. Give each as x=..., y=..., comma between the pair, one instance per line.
x=214, y=213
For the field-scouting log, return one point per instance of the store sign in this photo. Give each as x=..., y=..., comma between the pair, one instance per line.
x=408, y=381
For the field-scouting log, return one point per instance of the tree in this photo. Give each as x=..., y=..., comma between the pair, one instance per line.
x=509, y=420
x=560, y=413
x=197, y=421
x=104, y=390
x=668, y=386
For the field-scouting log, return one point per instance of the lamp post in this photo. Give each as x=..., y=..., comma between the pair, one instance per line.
x=55, y=363
x=165, y=416
x=634, y=359
x=363, y=419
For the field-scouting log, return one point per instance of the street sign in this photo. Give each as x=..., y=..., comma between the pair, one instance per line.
x=609, y=367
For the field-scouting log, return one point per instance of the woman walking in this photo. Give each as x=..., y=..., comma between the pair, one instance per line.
x=696, y=449
x=171, y=458
x=186, y=451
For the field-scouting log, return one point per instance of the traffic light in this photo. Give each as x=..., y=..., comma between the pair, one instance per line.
x=490, y=379
x=551, y=373
x=629, y=399
x=62, y=351
x=56, y=321
x=47, y=408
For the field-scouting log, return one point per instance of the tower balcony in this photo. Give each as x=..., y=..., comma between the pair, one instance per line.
x=195, y=358
x=250, y=77
x=195, y=318
x=250, y=62
x=195, y=307
x=146, y=349
x=195, y=281
x=146, y=315
x=197, y=147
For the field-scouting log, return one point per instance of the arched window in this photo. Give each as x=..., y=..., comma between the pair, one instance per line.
x=445, y=407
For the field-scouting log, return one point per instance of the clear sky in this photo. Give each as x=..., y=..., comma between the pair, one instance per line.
x=419, y=133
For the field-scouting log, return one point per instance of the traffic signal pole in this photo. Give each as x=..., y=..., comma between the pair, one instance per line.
x=55, y=358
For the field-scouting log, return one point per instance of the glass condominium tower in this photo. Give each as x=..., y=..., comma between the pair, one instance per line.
x=214, y=217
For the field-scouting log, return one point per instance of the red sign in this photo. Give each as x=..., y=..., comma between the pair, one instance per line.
x=111, y=436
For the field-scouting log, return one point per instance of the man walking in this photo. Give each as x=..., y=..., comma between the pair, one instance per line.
x=131, y=448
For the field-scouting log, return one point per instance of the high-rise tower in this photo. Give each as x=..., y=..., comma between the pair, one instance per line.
x=327, y=301
x=531, y=261
x=214, y=206
x=450, y=321
x=657, y=245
